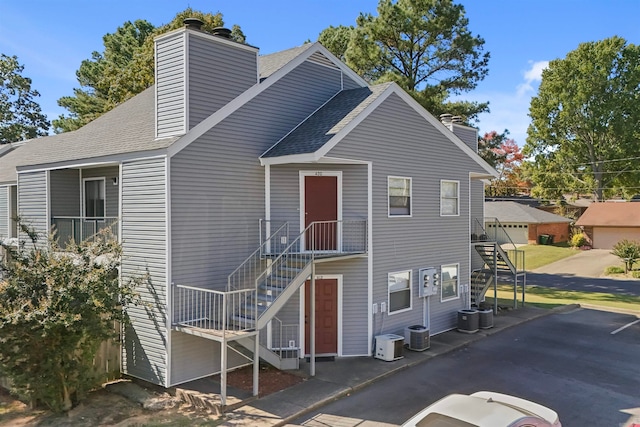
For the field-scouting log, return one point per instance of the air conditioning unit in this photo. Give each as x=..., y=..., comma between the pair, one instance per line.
x=389, y=347
x=417, y=337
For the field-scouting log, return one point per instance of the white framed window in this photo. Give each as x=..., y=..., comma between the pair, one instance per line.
x=449, y=282
x=399, y=192
x=399, y=291
x=449, y=198
x=94, y=197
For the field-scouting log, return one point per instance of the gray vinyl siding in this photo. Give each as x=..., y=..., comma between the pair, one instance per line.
x=112, y=192
x=468, y=135
x=285, y=192
x=355, y=303
x=4, y=211
x=477, y=212
x=170, y=86
x=195, y=357
x=285, y=205
x=217, y=183
x=218, y=72
x=65, y=193
x=349, y=83
x=32, y=202
x=399, y=142
x=144, y=238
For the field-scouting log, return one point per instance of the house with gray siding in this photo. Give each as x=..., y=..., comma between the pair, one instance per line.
x=279, y=205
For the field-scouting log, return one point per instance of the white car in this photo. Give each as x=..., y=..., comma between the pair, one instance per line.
x=484, y=409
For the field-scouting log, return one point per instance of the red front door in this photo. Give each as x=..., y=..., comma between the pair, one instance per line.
x=326, y=316
x=321, y=206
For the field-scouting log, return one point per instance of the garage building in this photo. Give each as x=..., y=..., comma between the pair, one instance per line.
x=524, y=224
x=607, y=223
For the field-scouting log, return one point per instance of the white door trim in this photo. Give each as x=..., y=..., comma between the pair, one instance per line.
x=337, y=277
x=305, y=173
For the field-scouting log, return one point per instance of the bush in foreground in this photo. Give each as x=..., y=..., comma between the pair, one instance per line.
x=56, y=307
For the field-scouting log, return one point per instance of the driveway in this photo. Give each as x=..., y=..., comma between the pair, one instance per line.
x=584, y=264
x=584, y=272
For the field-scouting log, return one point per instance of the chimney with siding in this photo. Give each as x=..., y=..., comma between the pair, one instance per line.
x=468, y=134
x=197, y=73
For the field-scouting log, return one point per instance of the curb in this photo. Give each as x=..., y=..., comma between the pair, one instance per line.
x=366, y=383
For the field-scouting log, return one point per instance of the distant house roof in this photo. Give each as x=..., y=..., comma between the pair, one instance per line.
x=611, y=214
x=509, y=212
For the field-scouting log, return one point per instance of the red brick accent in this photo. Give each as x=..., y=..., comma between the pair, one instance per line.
x=559, y=230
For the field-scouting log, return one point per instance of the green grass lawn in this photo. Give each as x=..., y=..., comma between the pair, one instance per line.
x=539, y=255
x=549, y=298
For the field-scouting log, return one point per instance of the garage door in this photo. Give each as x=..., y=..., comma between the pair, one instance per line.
x=518, y=233
x=606, y=237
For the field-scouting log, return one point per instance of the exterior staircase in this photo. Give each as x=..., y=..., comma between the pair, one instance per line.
x=499, y=263
x=260, y=287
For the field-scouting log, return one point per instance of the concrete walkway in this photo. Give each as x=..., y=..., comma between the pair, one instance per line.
x=347, y=375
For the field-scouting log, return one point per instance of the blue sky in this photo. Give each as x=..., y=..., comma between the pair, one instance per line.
x=52, y=37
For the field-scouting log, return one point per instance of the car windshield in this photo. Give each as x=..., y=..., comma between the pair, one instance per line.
x=440, y=420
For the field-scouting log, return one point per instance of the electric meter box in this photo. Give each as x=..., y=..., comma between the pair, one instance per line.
x=428, y=282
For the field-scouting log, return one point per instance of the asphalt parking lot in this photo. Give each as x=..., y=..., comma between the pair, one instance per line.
x=583, y=364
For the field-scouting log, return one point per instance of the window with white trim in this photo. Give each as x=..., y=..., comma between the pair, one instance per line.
x=449, y=282
x=449, y=198
x=94, y=197
x=399, y=190
x=399, y=291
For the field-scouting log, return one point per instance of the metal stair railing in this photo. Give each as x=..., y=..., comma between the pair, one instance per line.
x=253, y=266
x=495, y=233
x=208, y=309
x=283, y=339
x=212, y=309
x=318, y=238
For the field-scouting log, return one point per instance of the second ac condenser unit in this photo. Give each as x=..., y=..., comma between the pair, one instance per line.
x=417, y=337
x=389, y=347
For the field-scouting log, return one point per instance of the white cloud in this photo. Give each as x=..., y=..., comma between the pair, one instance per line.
x=532, y=75
x=509, y=104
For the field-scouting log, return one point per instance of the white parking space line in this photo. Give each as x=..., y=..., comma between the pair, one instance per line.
x=625, y=327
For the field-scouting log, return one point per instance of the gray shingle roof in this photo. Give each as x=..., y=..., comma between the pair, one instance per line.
x=269, y=64
x=326, y=122
x=128, y=128
x=509, y=212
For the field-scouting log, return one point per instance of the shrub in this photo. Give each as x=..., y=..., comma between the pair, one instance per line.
x=55, y=309
x=578, y=240
x=628, y=251
x=614, y=269
x=635, y=274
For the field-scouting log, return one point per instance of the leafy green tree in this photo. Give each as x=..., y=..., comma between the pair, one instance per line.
x=628, y=251
x=20, y=116
x=55, y=309
x=584, y=135
x=423, y=45
x=100, y=77
x=124, y=69
x=336, y=39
